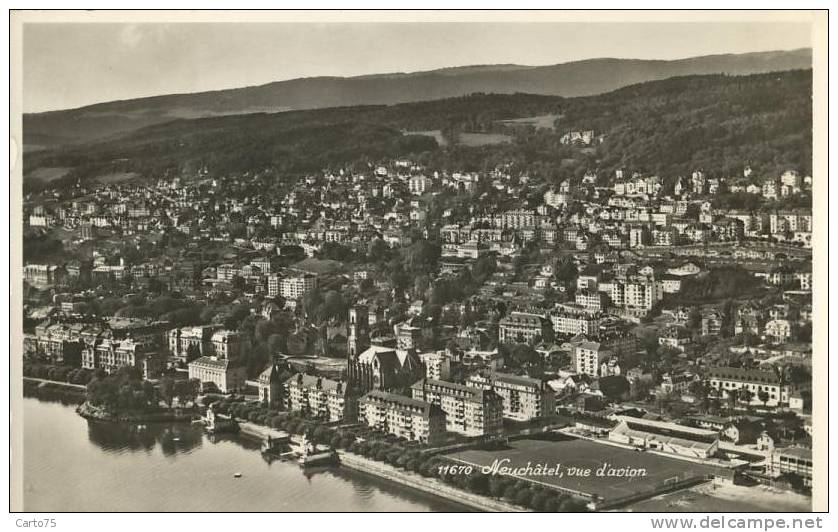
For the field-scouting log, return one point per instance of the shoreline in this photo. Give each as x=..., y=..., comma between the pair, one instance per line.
x=90, y=412
x=426, y=485
x=389, y=473
x=53, y=390
x=379, y=470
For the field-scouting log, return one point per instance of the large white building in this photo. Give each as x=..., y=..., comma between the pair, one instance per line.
x=768, y=383
x=407, y=418
x=520, y=327
x=524, y=398
x=296, y=287
x=588, y=357
x=468, y=410
x=569, y=322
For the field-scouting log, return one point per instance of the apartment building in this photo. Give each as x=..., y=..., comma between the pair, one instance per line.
x=524, y=398
x=588, y=357
x=520, y=327
x=468, y=410
x=296, y=287
x=407, y=418
x=568, y=322
x=325, y=399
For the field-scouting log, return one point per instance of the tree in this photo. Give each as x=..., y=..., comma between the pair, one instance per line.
x=478, y=483
x=193, y=352
x=524, y=355
x=614, y=387
x=238, y=282
x=700, y=392
x=763, y=396
x=166, y=389
x=694, y=319
x=745, y=395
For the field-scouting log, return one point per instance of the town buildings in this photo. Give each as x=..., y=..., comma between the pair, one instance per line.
x=217, y=373
x=764, y=387
x=320, y=398
x=521, y=327
x=407, y=418
x=468, y=410
x=524, y=398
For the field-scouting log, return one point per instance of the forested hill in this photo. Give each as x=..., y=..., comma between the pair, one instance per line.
x=717, y=123
x=578, y=78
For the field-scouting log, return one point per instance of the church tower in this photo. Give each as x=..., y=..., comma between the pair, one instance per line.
x=358, y=338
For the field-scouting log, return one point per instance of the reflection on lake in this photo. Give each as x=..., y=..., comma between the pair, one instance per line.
x=71, y=464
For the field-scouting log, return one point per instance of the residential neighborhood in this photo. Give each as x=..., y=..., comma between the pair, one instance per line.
x=440, y=308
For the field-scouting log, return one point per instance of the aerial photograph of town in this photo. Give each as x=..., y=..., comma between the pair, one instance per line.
x=464, y=276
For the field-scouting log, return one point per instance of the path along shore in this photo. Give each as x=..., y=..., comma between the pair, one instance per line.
x=428, y=485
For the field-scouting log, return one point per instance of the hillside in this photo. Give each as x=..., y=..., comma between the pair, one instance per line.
x=717, y=123
x=580, y=78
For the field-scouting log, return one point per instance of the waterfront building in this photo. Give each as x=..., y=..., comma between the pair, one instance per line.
x=524, y=398
x=407, y=418
x=319, y=397
x=468, y=410
x=220, y=373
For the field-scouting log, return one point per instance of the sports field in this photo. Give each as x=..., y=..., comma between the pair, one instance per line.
x=587, y=468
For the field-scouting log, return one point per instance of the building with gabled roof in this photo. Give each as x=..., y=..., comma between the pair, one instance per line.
x=325, y=399
x=665, y=437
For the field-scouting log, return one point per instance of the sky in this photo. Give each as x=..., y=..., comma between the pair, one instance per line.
x=67, y=65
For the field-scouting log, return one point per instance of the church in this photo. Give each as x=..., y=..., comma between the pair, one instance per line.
x=377, y=367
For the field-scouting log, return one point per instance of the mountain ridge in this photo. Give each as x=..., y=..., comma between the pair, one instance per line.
x=577, y=78
x=717, y=123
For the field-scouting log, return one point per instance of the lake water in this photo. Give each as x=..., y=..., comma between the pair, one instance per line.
x=71, y=464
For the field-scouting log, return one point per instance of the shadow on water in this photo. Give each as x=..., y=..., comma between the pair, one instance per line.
x=172, y=438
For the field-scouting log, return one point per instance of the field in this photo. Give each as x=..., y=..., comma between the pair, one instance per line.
x=435, y=133
x=318, y=266
x=466, y=139
x=483, y=139
x=539, y=122
x=116, y=178
x=641, y=471
x=47, y=173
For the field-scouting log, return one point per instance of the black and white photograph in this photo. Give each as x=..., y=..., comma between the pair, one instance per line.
x=405, y=262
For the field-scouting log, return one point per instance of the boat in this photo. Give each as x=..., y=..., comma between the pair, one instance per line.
x=214, y=423
x=175, y=439
x=310, y=454
x=237, y=475
x=276, y=446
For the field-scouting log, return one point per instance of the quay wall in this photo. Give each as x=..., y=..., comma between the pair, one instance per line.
x=428, y=485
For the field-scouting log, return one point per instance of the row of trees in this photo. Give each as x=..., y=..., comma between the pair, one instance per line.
x=122, y=391
x=57, y=373
x=402, y=456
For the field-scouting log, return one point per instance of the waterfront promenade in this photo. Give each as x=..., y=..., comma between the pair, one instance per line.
x=428, y=485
